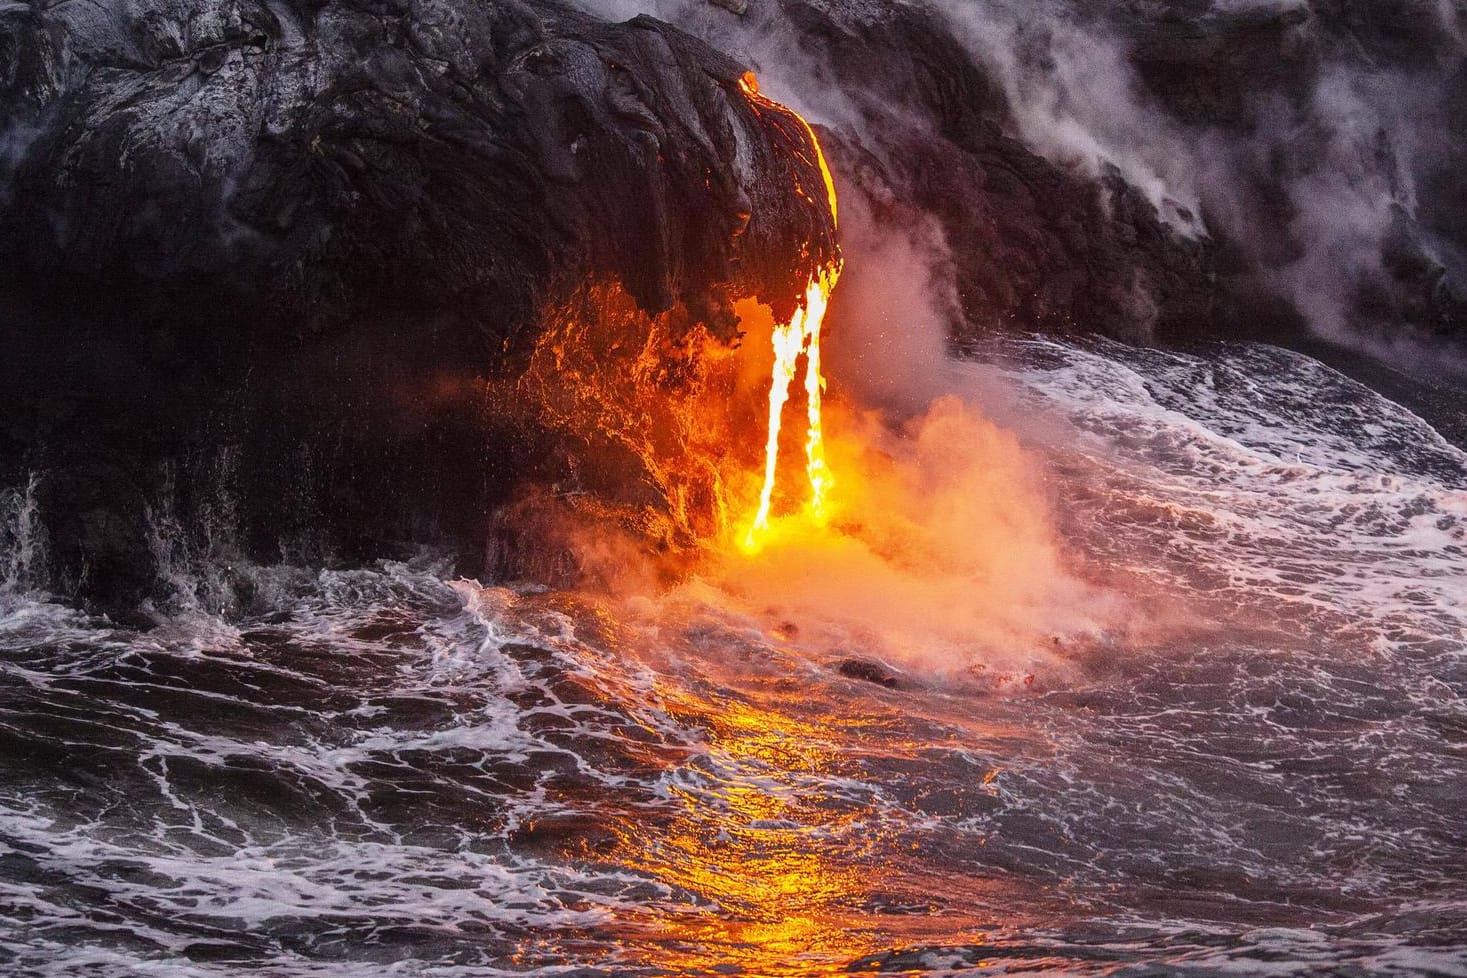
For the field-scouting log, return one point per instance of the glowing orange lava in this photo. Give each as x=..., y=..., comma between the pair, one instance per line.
x=801, y=335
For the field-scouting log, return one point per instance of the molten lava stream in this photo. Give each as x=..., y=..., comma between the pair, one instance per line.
x=801, y=335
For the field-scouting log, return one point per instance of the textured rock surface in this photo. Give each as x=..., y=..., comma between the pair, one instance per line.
x=267, y=267
x=1334, y=121
x=257, y=257
x=1036, y=245
x=1155, y=171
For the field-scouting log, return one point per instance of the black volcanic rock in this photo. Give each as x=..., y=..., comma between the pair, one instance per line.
x=268, y=267
x=1304, y=96
x=1209, y=70
x=1036, y=244
x=316, y=161
x=259, y=257
x=1241, y=170
x=869, y=671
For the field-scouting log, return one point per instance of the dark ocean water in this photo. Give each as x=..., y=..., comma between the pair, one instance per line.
x=1246, y=754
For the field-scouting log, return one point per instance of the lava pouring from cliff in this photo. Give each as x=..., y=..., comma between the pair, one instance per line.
x=800, y=335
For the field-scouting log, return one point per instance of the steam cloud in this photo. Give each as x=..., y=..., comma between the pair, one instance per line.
x=1319, y=181
x=947, y=555
x=942, y=554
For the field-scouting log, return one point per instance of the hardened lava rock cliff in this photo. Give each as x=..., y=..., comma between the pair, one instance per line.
x=267, y=267
x=261, y=261
x=1154, y=171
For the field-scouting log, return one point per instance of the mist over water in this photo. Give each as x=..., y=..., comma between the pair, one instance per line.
x=938, y=551
x=1336, y=147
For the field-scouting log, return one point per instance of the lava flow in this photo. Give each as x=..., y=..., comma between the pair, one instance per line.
x=800, y=335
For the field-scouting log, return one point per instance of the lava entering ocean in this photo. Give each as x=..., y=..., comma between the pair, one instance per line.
x=800, y=335
x=655, y=413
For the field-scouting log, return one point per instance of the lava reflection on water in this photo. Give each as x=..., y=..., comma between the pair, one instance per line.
x=777, y=858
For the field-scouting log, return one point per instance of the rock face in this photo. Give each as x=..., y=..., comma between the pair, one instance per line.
x=258, y=260
x=1036, y=244
x=272, y=272
x=1342, y=185
x=1156, y=171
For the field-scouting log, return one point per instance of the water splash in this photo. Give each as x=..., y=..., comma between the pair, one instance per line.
x=24, y=554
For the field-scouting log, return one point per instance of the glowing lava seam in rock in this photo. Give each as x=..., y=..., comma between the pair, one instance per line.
x=800, y=335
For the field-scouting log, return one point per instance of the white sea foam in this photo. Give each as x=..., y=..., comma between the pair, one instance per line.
x=1260, y=473
x=383, y=773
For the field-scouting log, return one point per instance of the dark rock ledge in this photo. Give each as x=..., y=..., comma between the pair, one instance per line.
x=262, y=260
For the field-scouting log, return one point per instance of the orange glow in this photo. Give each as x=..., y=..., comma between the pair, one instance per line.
x=749, y=85
x=788, y=339
x=821, y=481
x=801, y=335
x=824, y=170
x=774, y=872
x=658, y=412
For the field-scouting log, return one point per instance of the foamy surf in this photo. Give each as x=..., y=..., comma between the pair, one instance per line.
x=1257, y=769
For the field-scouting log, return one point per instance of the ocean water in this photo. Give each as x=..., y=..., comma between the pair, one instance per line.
x=1241, y=749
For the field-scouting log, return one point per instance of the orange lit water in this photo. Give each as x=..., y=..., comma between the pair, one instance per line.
x=378, y=771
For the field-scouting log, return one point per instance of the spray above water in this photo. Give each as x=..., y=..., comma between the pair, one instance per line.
x=801, y=335
x=935, y=553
